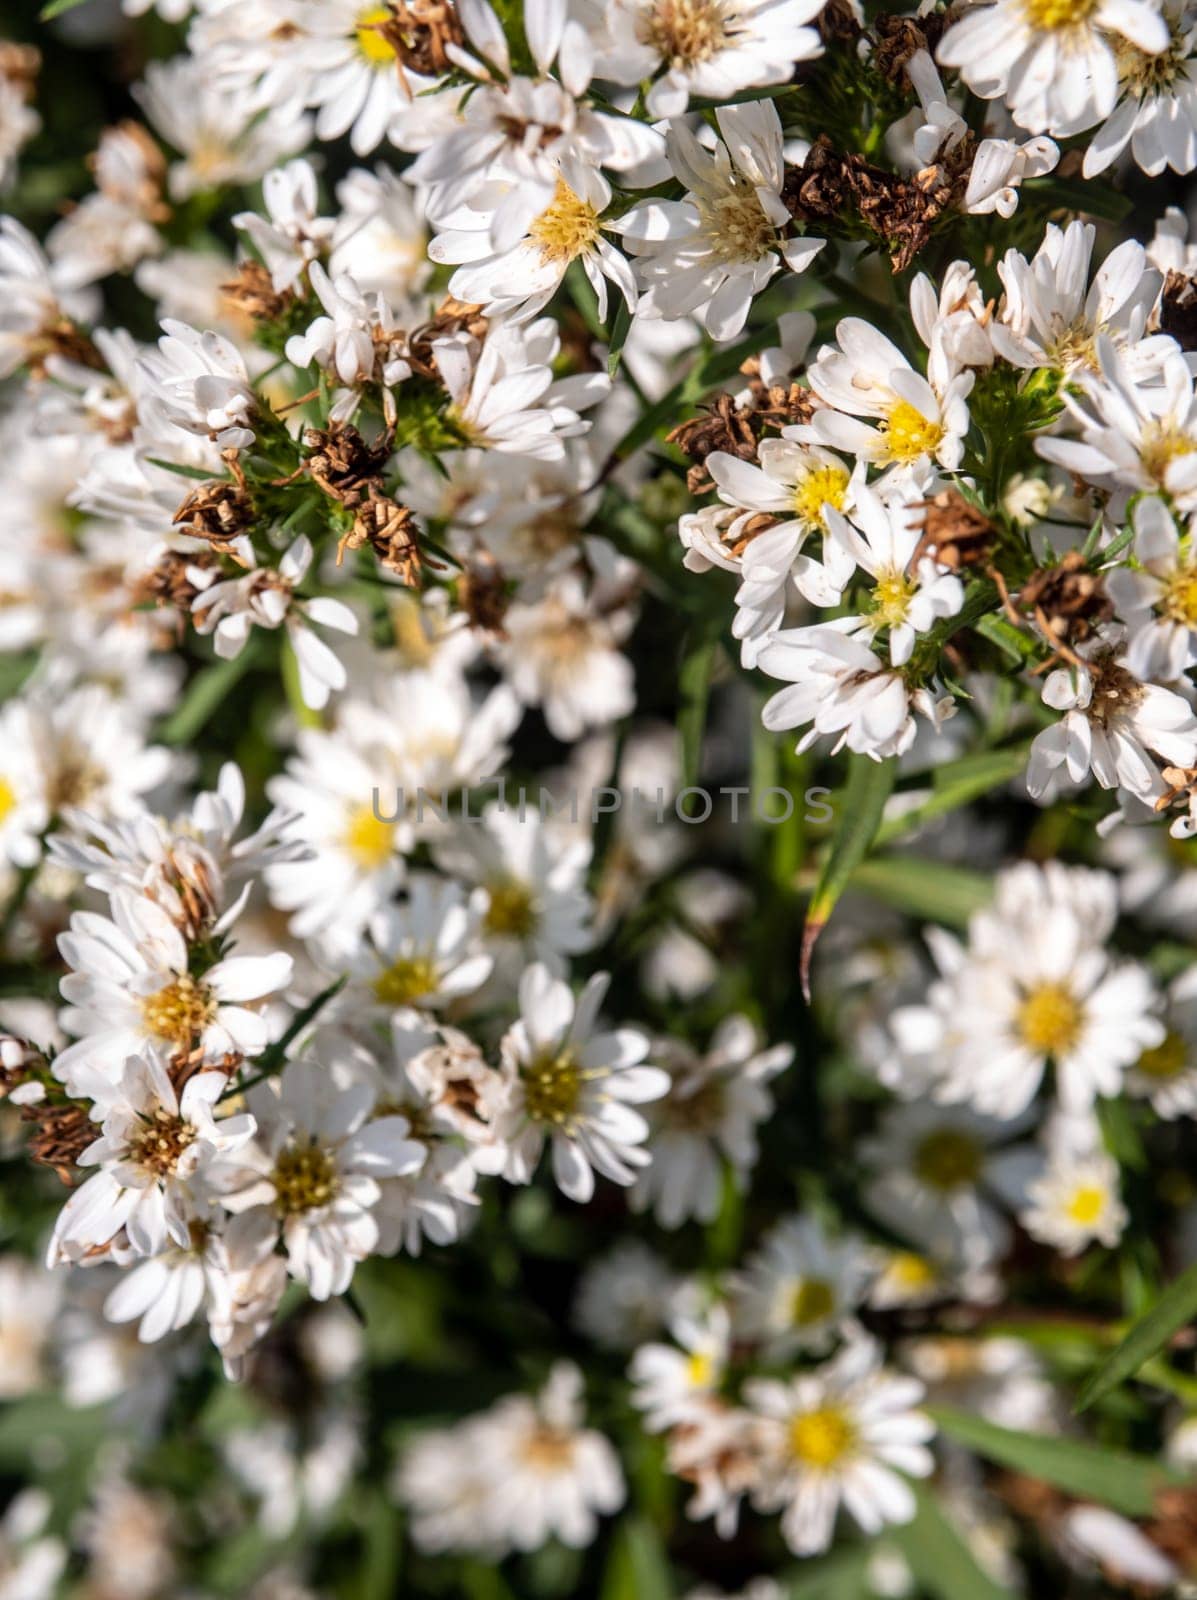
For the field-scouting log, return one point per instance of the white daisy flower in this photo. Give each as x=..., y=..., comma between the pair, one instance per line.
x=881, y=538
x=1113, y=725
x=322, y=1152
x=1156, y=114
x=34, y=299
x=667, y=1380
x=130, y=985
x=266, y=598
x=357, y=342
x=380, y=237
x=710, y=254
x=1048, y=318
x=715, y=1104
x=291, y=235
x=1052, y=61
x=708, y=49
x=846, y=1435
x=1076, y=1203
x=625, y=1296
x=198, y=382
x=800, y=1289
x=1166, y=1073
x=153, y=1142
x=424, y=952
x=1134, y=437
x=864, y=374
x=1157, y=598
x=573, y=1086
x=999, y=168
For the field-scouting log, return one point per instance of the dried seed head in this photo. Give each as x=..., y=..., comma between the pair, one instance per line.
x=1068, y=601
x=253, y=295
x=955, y=533
x=342, y=464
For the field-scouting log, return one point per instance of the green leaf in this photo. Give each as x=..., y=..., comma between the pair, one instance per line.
x=56, y=8
x=1115, y=1478
x=205, y=694
x=620, y=328
x=694, y=685
x=637, y=1567
x=275, y=1055
x=870, y=784
x=1174, y=1308
x=930, y=890
x=957, y=784
x=939, y=1558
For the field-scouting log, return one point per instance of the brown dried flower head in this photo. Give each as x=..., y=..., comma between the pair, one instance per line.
x=1178, y=309
x=1067, y=601
x=343, y=464
x=389, y=528
x=955, y=533
x=252, y=294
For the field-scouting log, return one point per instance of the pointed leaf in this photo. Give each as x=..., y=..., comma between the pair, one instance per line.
x=870, y=784
x=1175, y=1307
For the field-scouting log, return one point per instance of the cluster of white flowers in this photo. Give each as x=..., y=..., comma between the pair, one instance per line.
x=598, y=398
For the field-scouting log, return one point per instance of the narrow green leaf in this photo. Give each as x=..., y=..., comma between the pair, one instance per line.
x=957, y=784
x=1174, y=1308
x=56, y=8
x=205, y=693
x=862, y=801
x=694, y=687
x=922, y=888
x=939, y=1558
x=275, y=1055
x=1011, y=641
x=637, y=1567
x=1114, y=1478
x=621, y=326
x=176, y=467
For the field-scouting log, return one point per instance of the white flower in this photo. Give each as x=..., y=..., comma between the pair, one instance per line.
x=1157, y=599
x=1156, y=114
x=1166, y=1073
x=33, y=298
x=291, y=235
x=130, y=985
x=18, y=124
x=198, y=382
x=936, y=1175
x=573, y=1086
x=715, y=1103
x=153, y=1142
x=800, y=1289
x=667, y=1381
x=30, y=1303
x=521, y=279
x=846, y=1434
x=864, y=374
x=561, y=653
x=707, y=49
x=323, y=1151
x=379, y=239
x=794, y=483
x=1112, y=726
x=839, y=686
x=503, y=394
x=1076, y=1202
x=265, y=598
x=1134, y=437
x=625, y=1296
x=513, y=1477
x=712, y=252
x=221, y=133
x=1053, y=61
x=881, y=537
x=1033, y=986
x=424, y=952
x=358, y=342
x=999, y=168
x=1048, y=317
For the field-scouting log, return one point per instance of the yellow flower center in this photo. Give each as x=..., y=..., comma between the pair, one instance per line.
x=684, y=32
x=911, y=1272
x=1160, y=447
x=304, y=1178
x=180, y=1012
x=823, y=486
x=891, y=598
x=734, y=223
x=1179, y=600
x=812, y=1300
x=1168, y=1059
x=909, y=434
x=1049, y=1019
x=406, y=980
x=369, y=840
x=567, y=228
x=510, y=912
x=1085, y=1205
x=162, y=1143
x=700, y=1370
x=371, y=40
x=552, y=1085
x=822, y=1438
x=1143, y=74
x=948, y=1159
x=1058, y=13
x=8, y=799
x=1075, y=347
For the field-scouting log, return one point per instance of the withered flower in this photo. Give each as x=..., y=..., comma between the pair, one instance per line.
x=897, y=38
x=342, y=464
x=955, y=532
x=1067, y=601
x=1178, y=309
x=482, y=595
x=389, y=528
x=221, y=511
x=252, y=294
